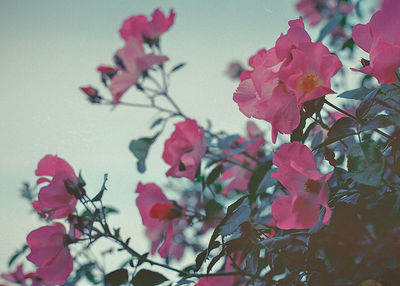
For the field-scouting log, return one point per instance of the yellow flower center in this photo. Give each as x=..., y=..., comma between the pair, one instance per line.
x=308, y=83
x=311, y=186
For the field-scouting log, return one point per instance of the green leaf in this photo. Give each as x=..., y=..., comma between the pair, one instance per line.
x=140, y=148
x=177, y=67
x=332, y=23
x=213, y=176
x=103, y=188
x=148, y=278
x=229, y=213
x=236, y=218
x=366, y=104
x=365, y=163
x=342, y=128
x=379, y=121
x=256, y=179
x=116, y=278
x=156, y=122
x=357, y=94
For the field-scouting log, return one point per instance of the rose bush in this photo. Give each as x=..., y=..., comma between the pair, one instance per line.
x=317, y=207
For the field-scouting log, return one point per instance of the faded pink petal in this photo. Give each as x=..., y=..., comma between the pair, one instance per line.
x=54, y=199
x=134, y=61
x=184, y=150
x=161, y=231
x=380, y=38
x=308, y=188
x=50, y=254
x=159, y=24
x=309, y=73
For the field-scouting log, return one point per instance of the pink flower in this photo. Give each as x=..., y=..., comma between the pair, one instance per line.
x=158, y=216
x=185, y=149
x=310, y=10
x=159, y=24
x=54, y=199
x=239, y=177
x=50, y=253
x=139, y=26
x=284, y=77
x=16, y=277
x=133, y=62
x=295, y=36
x=308, y=188
x=380, y=38
x=309, y=73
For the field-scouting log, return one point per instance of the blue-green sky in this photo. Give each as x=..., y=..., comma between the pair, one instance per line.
x=50, y=48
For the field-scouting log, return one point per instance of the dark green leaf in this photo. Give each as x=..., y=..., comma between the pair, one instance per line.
x=342, y=128
x=380, y=121
x=140, y=149
x=148, y=278
x=236, y=218
x=177, y=67
x=257, y=177
x=366, y=104
x=229, y=213
x=349, y=199
x=214, y=174
x=156, y=122
x=365, y=163
x=358, y=93
x=116, y=278
x=110, y=210
x=214, y=260
x=332, y=23
x=200, y=259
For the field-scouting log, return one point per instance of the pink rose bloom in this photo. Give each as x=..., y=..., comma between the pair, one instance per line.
x=49, y=251
x=381, y=39
x=158, y=216
x=239, y=177
x=54, y=199
x=309, y=73
x=256, y=85
x=295, y=36
x=308, y=188
x=159, y=24
x=139, y=26
x=185, y=149
x=134, y=62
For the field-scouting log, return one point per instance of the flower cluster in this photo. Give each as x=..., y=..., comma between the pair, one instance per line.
x=284, y=77
x=132, y=61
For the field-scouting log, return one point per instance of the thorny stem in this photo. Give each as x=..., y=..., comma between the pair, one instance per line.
x=180, y=272
x=140, y=105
